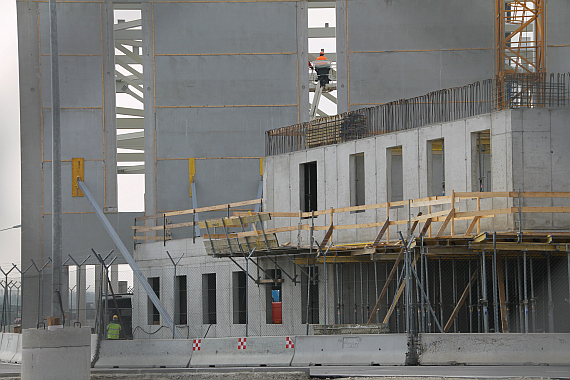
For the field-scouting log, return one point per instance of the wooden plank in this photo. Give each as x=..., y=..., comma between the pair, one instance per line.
x=234, y=221
x=426, y=227
x=395, y=301
x=381, y=233
x=446, y=222
x=460, y=303
x=327, y=237
x=202, y=209
x=438, y=201
x=544, y=209
x=544, y=194
x=151, y=238
x=471, y=226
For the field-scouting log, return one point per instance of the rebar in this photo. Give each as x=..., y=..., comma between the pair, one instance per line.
x=536, y=90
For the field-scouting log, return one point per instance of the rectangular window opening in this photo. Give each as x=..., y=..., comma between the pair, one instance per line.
x=436, y=167
x=153, y=315
x=394, y=174
x=308, y=186
x=129, y=100
x=181, y=309
x=239, y=298
x=273, y=300
x=357, y=191
x=481, y=168
x=209, y=299
x=310, y=309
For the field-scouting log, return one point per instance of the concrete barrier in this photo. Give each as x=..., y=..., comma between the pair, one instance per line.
x=17, y=358
x=384, y=349
x=59, y=354
x=93, y=345
x=8, y=347
x=250, y=351
x=494, y=349
x=154, y=353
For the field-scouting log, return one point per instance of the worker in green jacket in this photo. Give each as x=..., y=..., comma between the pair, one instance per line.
x=113, y=328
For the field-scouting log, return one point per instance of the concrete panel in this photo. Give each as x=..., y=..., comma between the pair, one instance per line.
x=76, y=72
x=197, y=132
x=250, y=351
x=17, y=358
x=9, y=347
x=81, y=134
x=389, y=349
x=145, y=353
x=93, y=179
x=495, y=349
x=84, y=231
x=56, y=354
x=199, y=80
x=77, y=26
x=211, y=28
x=558, y=31
x=217, y=182
x=377, y=78
x=420, y=25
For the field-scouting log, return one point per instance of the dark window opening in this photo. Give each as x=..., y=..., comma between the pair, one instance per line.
x=153, y=315
x=357, y=192
x=239, y=298
x=308, y=186
x=273, y=299
x=310, y=309
x=395, y=174
x=181, y=309
x=209, y=298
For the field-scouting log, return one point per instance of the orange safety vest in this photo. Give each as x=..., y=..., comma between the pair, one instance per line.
x=321, y=58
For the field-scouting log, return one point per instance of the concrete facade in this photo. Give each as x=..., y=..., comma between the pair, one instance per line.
x=396, y=49
x=525, y=154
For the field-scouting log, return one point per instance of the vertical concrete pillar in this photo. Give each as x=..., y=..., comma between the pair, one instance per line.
x=81, y=282
x=303, y=58
x=342, y=59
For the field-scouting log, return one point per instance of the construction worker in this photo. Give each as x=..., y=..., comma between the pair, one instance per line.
x=113, y=328
x=323, y=66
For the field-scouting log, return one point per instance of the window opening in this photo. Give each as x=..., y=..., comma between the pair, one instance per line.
x=357, y=191
x=273, y=300
x=436, y=167
x=239, y=298
x=181, y=309
x=481, y=161
x=153, y=315
x=310, y=309
x=209, y=298
x=308, y=186
x=395, y=174
x=129, y=99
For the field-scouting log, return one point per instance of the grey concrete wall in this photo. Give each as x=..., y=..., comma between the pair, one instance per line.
x=400, y=49
x=224, y=73
x=154, y=262
x=88, y=130
x=558, y=53
x=539, y=168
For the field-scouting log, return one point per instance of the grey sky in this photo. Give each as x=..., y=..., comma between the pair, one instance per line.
x=10, y=135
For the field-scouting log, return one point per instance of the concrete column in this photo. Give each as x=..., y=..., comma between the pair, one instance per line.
x=115, y=278
x=81, y=292
x=342, y=56
x=303, y=59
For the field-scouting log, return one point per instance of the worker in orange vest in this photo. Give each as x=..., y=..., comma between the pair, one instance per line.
x=323, y=66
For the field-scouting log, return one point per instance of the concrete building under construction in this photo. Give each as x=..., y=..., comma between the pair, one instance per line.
x=444, y=168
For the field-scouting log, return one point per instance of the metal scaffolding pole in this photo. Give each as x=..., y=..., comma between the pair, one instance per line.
x=532, y=300
x=519, y=291
x=507, y=293
x=484, y=293
x=550, y=303
x=525, y=295
x=470, y=302
x=495, y=285
x=454, y=279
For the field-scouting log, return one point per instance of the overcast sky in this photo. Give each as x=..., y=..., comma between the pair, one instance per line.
x=10, y=136
x=10, y=124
